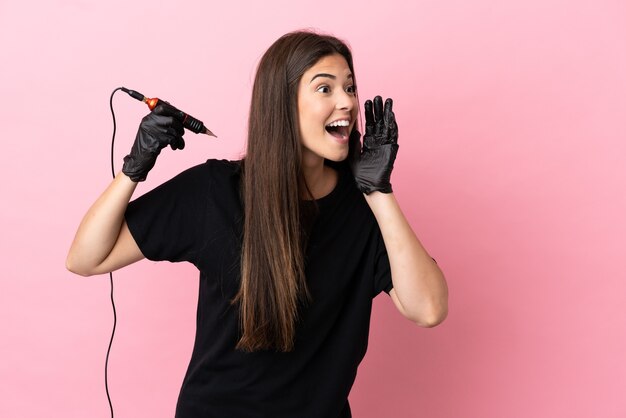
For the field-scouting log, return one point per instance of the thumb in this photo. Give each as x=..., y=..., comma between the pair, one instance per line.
x=354, y=146
x=177, y=143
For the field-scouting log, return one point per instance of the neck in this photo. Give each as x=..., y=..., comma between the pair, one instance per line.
x=320, y=179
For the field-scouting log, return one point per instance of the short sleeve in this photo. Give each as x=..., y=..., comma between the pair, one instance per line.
x=167, y=222
x=382, y=270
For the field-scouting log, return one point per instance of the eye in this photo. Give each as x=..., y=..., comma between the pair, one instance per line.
x=324, y=87
x=351, y=89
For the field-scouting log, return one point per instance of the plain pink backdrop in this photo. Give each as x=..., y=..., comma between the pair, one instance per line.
x=511, y=171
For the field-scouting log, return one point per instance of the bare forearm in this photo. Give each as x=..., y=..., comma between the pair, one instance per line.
x=417, y=280
x=99, y=230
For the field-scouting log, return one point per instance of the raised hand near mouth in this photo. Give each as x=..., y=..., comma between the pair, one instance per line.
x=373, y=162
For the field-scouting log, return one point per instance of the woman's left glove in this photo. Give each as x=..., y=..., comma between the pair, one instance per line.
x=372, y=164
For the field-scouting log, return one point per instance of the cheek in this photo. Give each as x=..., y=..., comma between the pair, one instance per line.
x=312, y=116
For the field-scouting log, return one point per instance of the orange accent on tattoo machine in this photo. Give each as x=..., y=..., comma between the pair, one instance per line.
x=189, y=122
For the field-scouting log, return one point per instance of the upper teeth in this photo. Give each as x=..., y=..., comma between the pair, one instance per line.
x=339, y=123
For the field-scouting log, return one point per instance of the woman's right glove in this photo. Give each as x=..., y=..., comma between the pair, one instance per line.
x=157, y=130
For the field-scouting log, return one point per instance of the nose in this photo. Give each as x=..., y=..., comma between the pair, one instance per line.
x=345, y=101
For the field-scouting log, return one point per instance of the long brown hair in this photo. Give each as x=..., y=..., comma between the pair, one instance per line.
x=273, y=284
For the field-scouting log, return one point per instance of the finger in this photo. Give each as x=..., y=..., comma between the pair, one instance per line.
x=370, y=142
x=160, y=124
x=178, y=127
x=379, y=128
x=369, y=118
x=393, y=129
x=164, y=108
x=177, y=143
x=175, y=131
x=378, y=108
x=388, y=117
x=387, y=112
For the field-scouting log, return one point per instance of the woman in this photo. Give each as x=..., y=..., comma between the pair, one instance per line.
x=292, y=243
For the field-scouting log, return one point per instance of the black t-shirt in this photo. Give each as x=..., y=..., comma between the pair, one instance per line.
x=197, y=217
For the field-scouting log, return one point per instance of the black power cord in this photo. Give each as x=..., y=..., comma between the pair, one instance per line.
x=190, y=123
x=106, y=363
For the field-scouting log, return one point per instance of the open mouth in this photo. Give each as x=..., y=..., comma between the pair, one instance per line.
x=339, y=130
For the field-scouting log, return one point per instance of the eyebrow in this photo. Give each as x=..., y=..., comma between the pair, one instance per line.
x=326, y=75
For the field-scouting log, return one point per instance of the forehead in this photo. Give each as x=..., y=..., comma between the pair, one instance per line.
x=332, y=64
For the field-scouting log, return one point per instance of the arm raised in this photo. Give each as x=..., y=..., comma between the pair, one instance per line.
x=103, y=242
x=419, y=291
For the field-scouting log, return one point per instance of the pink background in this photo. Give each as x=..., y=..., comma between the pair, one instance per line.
x=511, y=170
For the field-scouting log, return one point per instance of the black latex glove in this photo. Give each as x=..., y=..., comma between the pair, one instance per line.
x=158, y=129
x=372, y=164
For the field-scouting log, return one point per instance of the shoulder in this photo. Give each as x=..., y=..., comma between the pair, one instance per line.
x=210, y=171
x=215, y=167
x=197, y=183
x=225, y=165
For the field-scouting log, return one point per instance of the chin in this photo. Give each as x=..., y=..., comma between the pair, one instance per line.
x=338, y=157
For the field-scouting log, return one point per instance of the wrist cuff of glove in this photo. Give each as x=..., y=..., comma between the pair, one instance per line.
x=368, y=190
x=131, y=169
